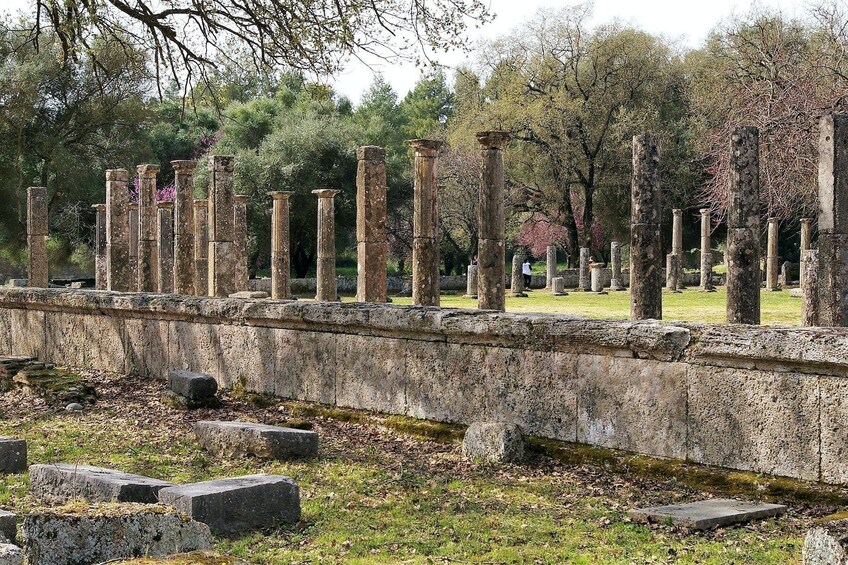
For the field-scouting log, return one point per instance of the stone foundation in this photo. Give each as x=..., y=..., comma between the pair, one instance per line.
x=772, y=400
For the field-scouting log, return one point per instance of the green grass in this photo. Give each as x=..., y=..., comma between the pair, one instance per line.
x=777, y=308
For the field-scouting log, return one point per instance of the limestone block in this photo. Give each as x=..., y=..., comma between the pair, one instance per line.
x=37, y=266
x=8, y=526
x=221, y=269
x=11, y=554
x=193, y=386
x=826, y=544
x=28, y=336
x=632, y=404
x=246, y=438
x=63, y=482
x=706, y=514
x=834, y=431
x=371, y=271
x=494, y=442
x=304, y=365
x=237, y=504
x=148, y=265
x=371, y=208
x=147, y=347
x=754, y=420
x=13, y=457
x=110, y=532
x=372, y=382
x=66, y=341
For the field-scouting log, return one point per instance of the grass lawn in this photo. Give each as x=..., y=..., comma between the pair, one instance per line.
x=380, y=493
x=777, y=308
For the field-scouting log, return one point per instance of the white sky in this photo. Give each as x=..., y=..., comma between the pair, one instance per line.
x=687, y=21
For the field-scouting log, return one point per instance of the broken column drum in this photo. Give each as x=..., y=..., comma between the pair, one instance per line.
x=517, y=283
x=551, y=265
x=280, y=247
x=119, y=272
x=184, y=233
x=677, y=246
x=833, y=221
x=706, y=255
x=672, y=272
x=471, y=282
x=165, y=248
x=326, y=269
x=37, y=231
x=645, y=239
x=220, y=215
x=425, y=224
x=598, y=278
x=743, y=228
x=147, y=228
x=584, y=281
x=491, y=254
x=616, y=282
x=772, y=266
x=240, y=241
x=100, y=272
x=371, y=212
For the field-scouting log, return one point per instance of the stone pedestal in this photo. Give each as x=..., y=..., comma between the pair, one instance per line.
x=119, y=272
x=833, y=221
x=184, y=233
x=806, y=232
x=165, y=249
x=517, y=283
x=133, y=252
x=220, y=216
x=491, y=254
x=240, y=241
x=201, y=249
x=471, y=282
x=37, y=231
x=551, y=270
x=100, y=270
x=772, y=261
x=706, y=253
x=425, y=224
x=598, y=278
x=743, y=228
x=672, y=272
x=371, y=211
x=326, y=271
x=584, y=280
x=616, y=282
x=280, y=249
x=645, y=240
x=810, y=306
x=558, y=287
x=147, y=228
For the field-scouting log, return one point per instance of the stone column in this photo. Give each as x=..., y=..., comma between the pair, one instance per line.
x=133, y=252
x=672, y=272
x=810, y=306
x=517, y=283
x=806, y=232
x=240, y=241
x=100, y=271
x=201, y=249
x=677, y=243
x=491, y=254
x=425, y=225
x=584, y=281
x=471, y=282
x=598, y=278
x=371, y=244
x=743, y=228
x=220, y=257
x=119, y=234
x=184, y=265
x=615, y=260
x=706, y=253
x=645, y=239
x=833, y=220
x=772, y=265
x=551, y=271
x=280, y=251
x=37, y=231
x=558, y=287
x=325, y=277
x=165, y=248
x=147, y=228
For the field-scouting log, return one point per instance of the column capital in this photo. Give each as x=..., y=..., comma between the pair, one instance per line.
x=493, y=139
x=198, y=203
x=705, y=211
x=280, y=194
x=133, y=205
x=184, y=166
x=677, y=212
x=147, y=170
x=117, y=175
x=240, y=198
x=99, y=207
x=222, y=163
x=806, y=221
x=370, y=153
x=325, y=192
x=165, y=205
x=425, y=147
x=772, y=220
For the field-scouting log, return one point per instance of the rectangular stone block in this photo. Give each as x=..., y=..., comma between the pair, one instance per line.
x=222, y=274
x=754, y=420
x=833, y=394
x=147, y=348
x=28, y=332
x=62, y=482
x=237, y=504
x=833, y=279
x=261, y=440
x=9, y=526
x=371, y=382
x=148, y=266
x=194, y=386
x=37, y=267
x=305, y=365
x=632, y=404
x=371, y=272
x=13, y=455
x=706, y=514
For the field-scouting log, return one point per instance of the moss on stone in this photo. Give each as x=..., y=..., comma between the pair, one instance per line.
x=56, y=386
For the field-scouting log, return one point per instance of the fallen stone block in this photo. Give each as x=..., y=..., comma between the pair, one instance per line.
x=706, y=514
x=11, y=554
x=13, y=455
x=62, y=482
x=494, y=442
x=237, y=504
x=196, y=387
x=249, y=294
x=9, y=526
x=826, y=544
x=106, y=532
x=245, y=438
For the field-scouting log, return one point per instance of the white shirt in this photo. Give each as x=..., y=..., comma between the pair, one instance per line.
x=525, y=268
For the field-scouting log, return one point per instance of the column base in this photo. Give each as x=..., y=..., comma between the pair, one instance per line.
x=517, y=295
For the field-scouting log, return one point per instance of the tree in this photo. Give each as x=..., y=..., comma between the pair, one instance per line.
x=428, y=107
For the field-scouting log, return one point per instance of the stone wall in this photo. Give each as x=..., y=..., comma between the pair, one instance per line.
x=772, y=400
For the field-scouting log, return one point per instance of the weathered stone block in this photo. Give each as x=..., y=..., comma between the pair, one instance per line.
x=826, y=544
x=193, y=386
x=754, y=420
x=11, y=554
x=706, y=514
x=237, y=504
x=109, y=532
x=833, y=181
x=13, y=455
x=494, y=442
x=147, y=347
x=373, y=382
x=61, y=482
x=247, y=438
x=632, y=404
x=221, y=268
x=8, y=526
x=833, y=395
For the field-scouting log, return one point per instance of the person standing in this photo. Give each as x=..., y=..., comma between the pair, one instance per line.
x=525, y=270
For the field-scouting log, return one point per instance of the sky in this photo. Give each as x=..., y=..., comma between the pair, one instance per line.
x=686, y=21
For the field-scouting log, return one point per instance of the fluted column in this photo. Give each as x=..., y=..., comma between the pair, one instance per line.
x=372, y=247
x=100, y=272
x=425, y=224
x=240, y=241
x=280, y=246
x=201, y=248
x=325, y=277
x=184, y=265
x=37, y=231
x=491, y=251
x=645, y=239
x=165, y=248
